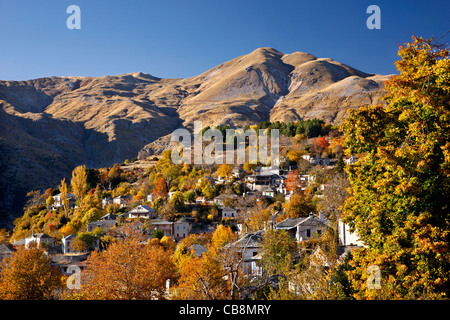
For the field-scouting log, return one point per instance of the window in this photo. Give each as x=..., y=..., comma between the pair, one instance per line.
x=308, y=233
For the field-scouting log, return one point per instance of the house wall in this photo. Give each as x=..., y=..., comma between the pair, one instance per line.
x=181, y=230
x=346, y=237
x=303, y=233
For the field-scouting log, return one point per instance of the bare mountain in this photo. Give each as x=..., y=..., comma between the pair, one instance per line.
x=50, y=125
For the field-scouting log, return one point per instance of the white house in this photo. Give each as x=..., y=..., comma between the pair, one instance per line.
x=107, y=201
x=163, y=225
x=65, y=244
x=268, y=191
x=122, y=201
x=351, y=160
x=57, y=201
x=316, y=160
x=141, y=211
x=40, y=239
x=347, y=238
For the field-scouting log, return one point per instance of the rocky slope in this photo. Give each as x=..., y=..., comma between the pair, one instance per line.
x=50, y=125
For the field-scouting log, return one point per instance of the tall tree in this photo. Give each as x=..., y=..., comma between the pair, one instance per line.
x=401, y=185
x=64, y=199
x=160, y=188
x=293, y=182
x=78, y=182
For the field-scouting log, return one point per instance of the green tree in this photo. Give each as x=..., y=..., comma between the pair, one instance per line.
x=189, y=195
x=278, y=251
x=177, y=200
x=400, y=186
x=340, y=165
x=157, y=233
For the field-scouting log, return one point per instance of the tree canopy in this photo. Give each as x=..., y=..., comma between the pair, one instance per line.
x=400, y=186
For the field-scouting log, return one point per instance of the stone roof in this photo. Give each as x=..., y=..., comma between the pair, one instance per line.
x=251, y=240
x=160, y=221
x=198, y=249
x=6, y=249
x=289, y=223
x=267, y=189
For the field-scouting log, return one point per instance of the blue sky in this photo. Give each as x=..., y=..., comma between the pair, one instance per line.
x=174, y=39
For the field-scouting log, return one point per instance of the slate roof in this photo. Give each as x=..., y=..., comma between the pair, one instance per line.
x=198, y=249
x=6, y=249
x=251, y=240
x=41, y=236
x=290, y=223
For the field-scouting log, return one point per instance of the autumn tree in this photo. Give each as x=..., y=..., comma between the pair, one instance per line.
x=28, y=275
x=160, y=188
x=257, y=216
x=400, y=186
x=293, y=183
x=206, y=188
x=64, y=199
x=299, y=205
x=127, y=270
x=224, y=171
x=210, y=276
x=78, y=182
x=334, y=196
x=320, y=145
x=200, y=278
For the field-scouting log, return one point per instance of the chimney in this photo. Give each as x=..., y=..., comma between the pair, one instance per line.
x=321, y=216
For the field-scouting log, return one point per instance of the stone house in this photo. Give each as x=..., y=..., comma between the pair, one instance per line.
x=303, y=228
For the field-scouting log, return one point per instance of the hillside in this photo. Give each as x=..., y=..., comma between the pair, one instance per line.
x=50, y=125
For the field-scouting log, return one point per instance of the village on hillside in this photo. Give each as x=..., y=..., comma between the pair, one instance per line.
x=301, y=197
